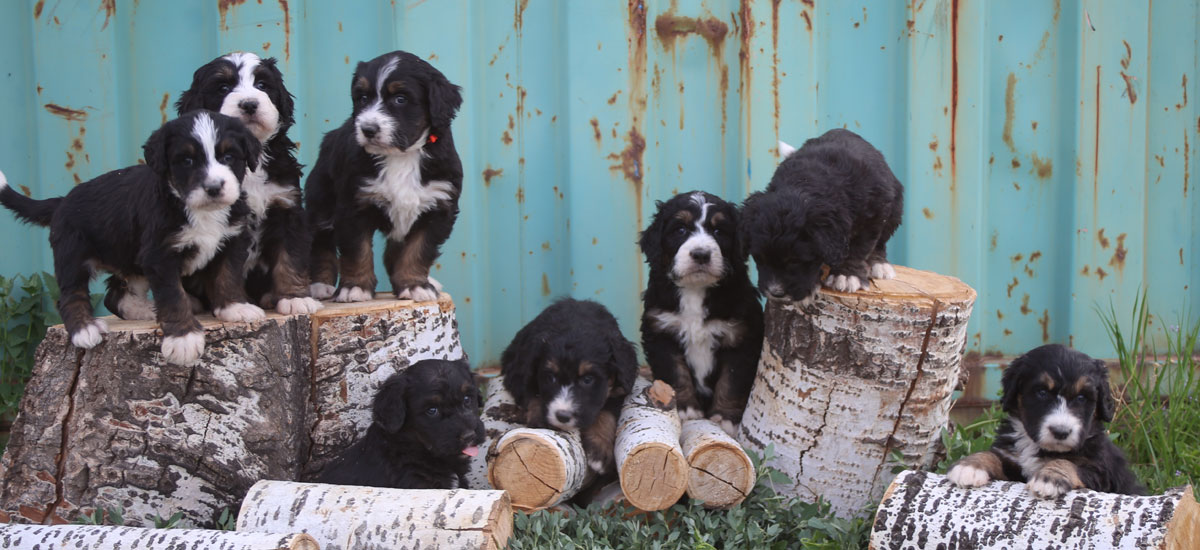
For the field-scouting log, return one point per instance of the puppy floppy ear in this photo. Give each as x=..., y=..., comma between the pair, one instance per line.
x=650, y=240
x=287, y=103
x=389, y=408
x=748, y=214
x=251, y=146
x=624, y=362
x=1105, y=405
x=1011, y=382
x=444, y=100
x=520, y=362
x=155, y=152
x=190, y=99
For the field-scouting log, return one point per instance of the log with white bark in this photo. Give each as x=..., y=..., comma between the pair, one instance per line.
x=537, y=467
x=720, y=474
x=99, y=537
x=116, y=425
x=650, y=462
x=500, y=414
x=846, y=381
x=924, y=510
x=370, y=518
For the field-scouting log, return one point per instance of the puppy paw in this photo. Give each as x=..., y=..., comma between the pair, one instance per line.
x=967, y=476
x=1048, y=485
x=321, y=291
x=353, y=294
x=418, y=293
x=726, y=425
x=90, y=335
x=689, y=414
x=596, y=466
x=239, y=312
x=845, y=283
x=883, y=270
x=136, y=309
x=297, y=306
x=436, y=285
x=183, y=350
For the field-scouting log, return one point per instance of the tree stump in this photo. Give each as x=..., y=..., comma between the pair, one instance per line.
x=650, y=462
x=98, y=537
x=924, y=510
x=116, y=425
x=848, y=379
x=371, y=518
x=720, y=474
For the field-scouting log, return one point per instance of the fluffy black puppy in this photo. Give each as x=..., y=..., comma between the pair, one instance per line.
x=249, y=88
x=833, y=202
x=424, y=431
x=702, y=326
x=1057, y=400
x=179, y=216
x=570, y=369
x=390, y=167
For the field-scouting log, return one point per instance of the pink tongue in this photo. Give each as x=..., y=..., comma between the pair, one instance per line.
x=471, y=451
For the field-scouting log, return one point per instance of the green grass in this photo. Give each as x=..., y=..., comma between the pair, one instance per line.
x=26, y=310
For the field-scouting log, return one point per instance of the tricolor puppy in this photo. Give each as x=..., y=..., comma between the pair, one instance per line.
x=390, y=167
x=702, y=326
x=570, y=369
x=833, y=202
x=180, y=216
x=249, y=88
x=1057, y=400
x=425, y=428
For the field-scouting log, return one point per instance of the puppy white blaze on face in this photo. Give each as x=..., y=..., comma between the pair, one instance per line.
x=220, y=187
x=698, y=262
x=249, y=103
x=1061, y=430
x=564, y=404
x=377, y=139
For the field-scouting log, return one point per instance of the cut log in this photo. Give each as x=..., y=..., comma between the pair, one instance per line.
x=370, y=518
x=500, y=414
x=846, y=381
x=99, y=537
x=650, y=462
x=116, y=425
x=539, y=468
x=924, y=510
x=720, y=473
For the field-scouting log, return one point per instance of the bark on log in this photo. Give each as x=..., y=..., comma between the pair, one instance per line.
x=98, y=537
x=370, y=518
x=650, y=462
x=924, y=510
x=847, y=380
x=500, y=414
x=118, y=426
x=537, y=467
x=720, y=473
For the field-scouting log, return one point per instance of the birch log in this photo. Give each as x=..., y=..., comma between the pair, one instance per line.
x=849, y=379
x=500, y=414
x=537, y=467
x=650, y=462
x=118, y=426
x=98, y=537
x=923, y=510
x=719, y=472
x=371, y=518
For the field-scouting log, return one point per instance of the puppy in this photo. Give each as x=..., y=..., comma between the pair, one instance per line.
x=178, y=216
x=570, y=369
x=246, y=87
x=833, y=202
x=1057, y=400
x=425, y=429
x=390, y=167
x=702, y=326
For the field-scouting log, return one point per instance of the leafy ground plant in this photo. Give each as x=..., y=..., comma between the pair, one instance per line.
x=26, y=310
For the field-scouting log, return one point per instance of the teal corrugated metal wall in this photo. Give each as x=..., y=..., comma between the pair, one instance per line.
x=1047, y=147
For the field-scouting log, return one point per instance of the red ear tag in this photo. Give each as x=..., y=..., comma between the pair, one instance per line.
x=432, y=139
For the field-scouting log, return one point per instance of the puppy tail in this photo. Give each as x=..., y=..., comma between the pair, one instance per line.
x=37, y=212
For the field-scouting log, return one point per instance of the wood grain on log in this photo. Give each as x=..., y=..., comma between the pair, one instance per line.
x=538, y=467
x=720, y=473
x=849, y=379
x=924, y=510
x=118, y=426
x=370, y=518
x=98, y=537
x=650, y=462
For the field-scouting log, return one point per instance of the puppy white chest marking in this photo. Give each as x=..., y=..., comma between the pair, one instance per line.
x=1026, y=451
x=262, y=194
x=699, y=338
x=206, y=230
x=398, y=191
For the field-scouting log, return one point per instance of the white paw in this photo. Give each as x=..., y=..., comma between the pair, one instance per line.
x=89, y=335
x=1043, y=488
x=690, y=414
x=353, y=294
x=183, y=350
x=848, y=283
x=596, y=466
x=297, y=306
x=418, y=294
x=727, y=425
x=968, y=477
x=883, y=271
x=239, y=312
x=436, y=285
x=136, y=308
x=321, y=291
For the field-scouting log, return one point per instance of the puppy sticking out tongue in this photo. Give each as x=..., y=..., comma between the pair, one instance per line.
x=471, y=451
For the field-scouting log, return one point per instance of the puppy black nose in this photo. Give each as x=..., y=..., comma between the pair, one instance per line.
x=701, y=256
x=369, y=130
x=563, y=416
x=1060, y=432
x=248, y=106
x=212, y=190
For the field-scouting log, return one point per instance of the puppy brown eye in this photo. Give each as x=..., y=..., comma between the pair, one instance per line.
x=1042, y=394
x=260, y=85
x=431, y=411
x=186, y=162
x=587, y=380
x=226, y=158
x=1081, y=398
x=224, y=88
x=467, y=400
x=716, y=232
x=681, y=231
x=400, y=100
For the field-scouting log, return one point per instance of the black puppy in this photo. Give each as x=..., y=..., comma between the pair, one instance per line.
x=833, y=202
x=702, y=326
x=424, y=431
x=180, y=216
x=570, y=369
x=247, y=87
x=390, y=167
x=1057, y=400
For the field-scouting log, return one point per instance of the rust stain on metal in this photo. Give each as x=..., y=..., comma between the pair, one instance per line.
x=70, y=161
x=629, y=161
x=596, y=129
x=1012, y=285
x=775, y=62
x=1045, y=323
x=1096, y=146
x=490, y=173
x=1016, y=163
x=1118, y=257
x=287, y=30
x=37, y=8
x=937, y=164
x=669, y=26
x=1035, y=255
x=1129, y=91
x=1018, y=257
x=520, y=194
x=933, y=145
x=1010, y=104
x=162, y=107
x=1101, y=273
x=613, y=100
x=1102, y=239
x=223, y=7
x=992, y=243
x=1085, y=271
x=928, y=213
x=1016, y=186
x=75, y=115
x=506, y=138
x=953, y=101
x=631, y=157
x=1187, y=160
x=1034, y=125
x=1025, y=305
x=545, y=285
x=807, y=21
x=110, y=9
x=1007, y=332
x=999, y=315
x=1044, y=168
x=519, y=18
x=25, y=190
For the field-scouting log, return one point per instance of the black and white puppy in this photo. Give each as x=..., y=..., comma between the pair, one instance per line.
x=390, y=167
x=151, y=226
x=1057, y=400
x=425, y=428
x=249, y=88
x=570, y=369
x=702, y=325
x=833, y=202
